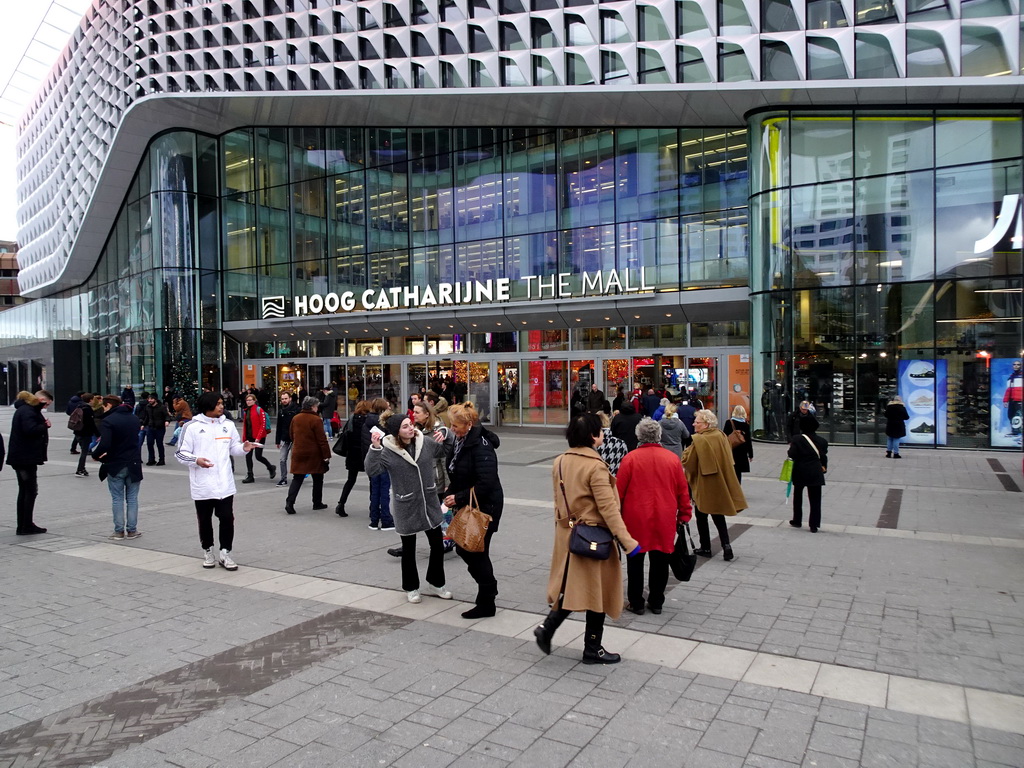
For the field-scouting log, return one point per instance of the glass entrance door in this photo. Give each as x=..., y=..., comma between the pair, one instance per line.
x=546, y=400
x=702, y=382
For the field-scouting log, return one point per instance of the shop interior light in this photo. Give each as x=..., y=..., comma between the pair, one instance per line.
x=983, y=320
x=999, y=290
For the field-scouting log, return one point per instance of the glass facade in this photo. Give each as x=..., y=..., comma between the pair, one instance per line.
x=887, y=260
x=356, y=209
x=212, y=224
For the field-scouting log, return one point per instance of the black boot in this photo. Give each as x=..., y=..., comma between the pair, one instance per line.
x=340, y=510
x=593, y=651
x=888, y=454
x=249, y=479
x=546, y=630
x=484, y=607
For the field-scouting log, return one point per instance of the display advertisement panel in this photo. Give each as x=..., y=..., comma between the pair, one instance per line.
x=1005, y=407
x=922, y=385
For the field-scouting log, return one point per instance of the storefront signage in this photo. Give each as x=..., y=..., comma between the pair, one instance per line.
x=535, y=287
x=1009, y=211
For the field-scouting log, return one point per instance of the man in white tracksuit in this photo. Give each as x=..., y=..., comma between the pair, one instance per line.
x=206, y=446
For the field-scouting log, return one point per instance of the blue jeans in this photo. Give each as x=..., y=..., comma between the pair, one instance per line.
x=380, y=500
x=328, y=429
x=123, y=488
x=893, y=444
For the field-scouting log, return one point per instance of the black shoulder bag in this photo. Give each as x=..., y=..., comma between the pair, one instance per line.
x=585, y=540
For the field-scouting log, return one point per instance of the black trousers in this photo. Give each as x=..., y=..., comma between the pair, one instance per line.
x=704, y=532
x=224, y=510
x=349, y=485
x=814, y=497
x=739, y=477
x=318, y=488
x=435, y=565
x=656, y=584
x=482, y=571
x=28, y=489
x=154, y=435
x=259, y=457
x=84, y=455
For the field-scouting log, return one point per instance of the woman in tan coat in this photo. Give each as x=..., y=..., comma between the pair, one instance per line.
x=311, y=455
x=581, y=583
x=714, y=487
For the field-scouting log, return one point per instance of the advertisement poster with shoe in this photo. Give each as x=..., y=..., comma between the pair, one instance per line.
x=1005, y=406
x=922, y=385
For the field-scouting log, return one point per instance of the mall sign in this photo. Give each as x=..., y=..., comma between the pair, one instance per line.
x=535, y=287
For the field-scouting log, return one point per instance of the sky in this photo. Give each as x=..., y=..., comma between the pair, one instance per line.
x=32, y=34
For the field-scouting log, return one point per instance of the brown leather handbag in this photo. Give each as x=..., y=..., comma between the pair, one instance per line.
x=468, y=529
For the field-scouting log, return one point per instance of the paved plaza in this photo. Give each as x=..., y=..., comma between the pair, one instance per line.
x=892, y=637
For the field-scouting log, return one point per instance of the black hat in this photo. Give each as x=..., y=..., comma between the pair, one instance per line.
x=394, y=423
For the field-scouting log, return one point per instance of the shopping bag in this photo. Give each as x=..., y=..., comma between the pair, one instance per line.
x=683, y=560
x=786, y=473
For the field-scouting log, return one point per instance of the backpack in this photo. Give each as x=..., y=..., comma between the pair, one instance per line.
x=77, y=420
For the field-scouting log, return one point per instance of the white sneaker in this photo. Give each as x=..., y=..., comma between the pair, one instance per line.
x=414, y=596
x=443, y=592
x=209, y=559
x=226, y=561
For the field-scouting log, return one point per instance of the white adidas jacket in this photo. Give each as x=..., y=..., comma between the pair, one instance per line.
x=216, y=440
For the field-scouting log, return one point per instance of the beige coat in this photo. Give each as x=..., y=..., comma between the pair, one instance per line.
x=591, y=585
x=714, y=487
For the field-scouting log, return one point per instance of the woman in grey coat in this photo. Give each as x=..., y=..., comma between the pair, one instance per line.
x=673, y=431
x=408, y=458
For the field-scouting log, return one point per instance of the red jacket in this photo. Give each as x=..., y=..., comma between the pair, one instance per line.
x=258, y=418
x=655, y=496
x=1014, y=389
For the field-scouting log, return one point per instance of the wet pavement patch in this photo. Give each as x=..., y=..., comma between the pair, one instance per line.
x=890, y=514
x=95, y=730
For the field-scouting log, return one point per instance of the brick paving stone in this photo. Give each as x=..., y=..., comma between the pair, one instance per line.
x=731, y=738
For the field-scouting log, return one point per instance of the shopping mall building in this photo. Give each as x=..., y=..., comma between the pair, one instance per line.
x=761, y=202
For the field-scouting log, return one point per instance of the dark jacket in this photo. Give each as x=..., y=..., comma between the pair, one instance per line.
x=808, y=469
x=284, y=423
x=896, y=420
x=686, y=414
x=353, y=434
x=128, y=397
x=73, y=403
x=29, y=434
x=650, y=404
x=154, y=416
x=2, y=452
x=476, y=466
x=119, y=443
x=741, y=454
x=329, y=404
x=372, y=420
x=89, y=428
x=624, y=425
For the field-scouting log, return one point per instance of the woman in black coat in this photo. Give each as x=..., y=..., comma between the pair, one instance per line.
x=473, y=465
x=26, y=450
x=895, y=426
x=744, y=452
x=354, y=457
x=809, y=453
x=624, y=425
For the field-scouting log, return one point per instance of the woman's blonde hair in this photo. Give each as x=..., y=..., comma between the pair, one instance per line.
x=464, y=413
x=605, y=420
x=670, y=410
x=739, y=412
x=706, y=417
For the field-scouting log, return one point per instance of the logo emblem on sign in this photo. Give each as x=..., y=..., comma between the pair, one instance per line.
x=273, y=306
x=1009, y=211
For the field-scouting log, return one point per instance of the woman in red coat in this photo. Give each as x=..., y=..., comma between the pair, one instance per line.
x=655, y=500
x=254, y=429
